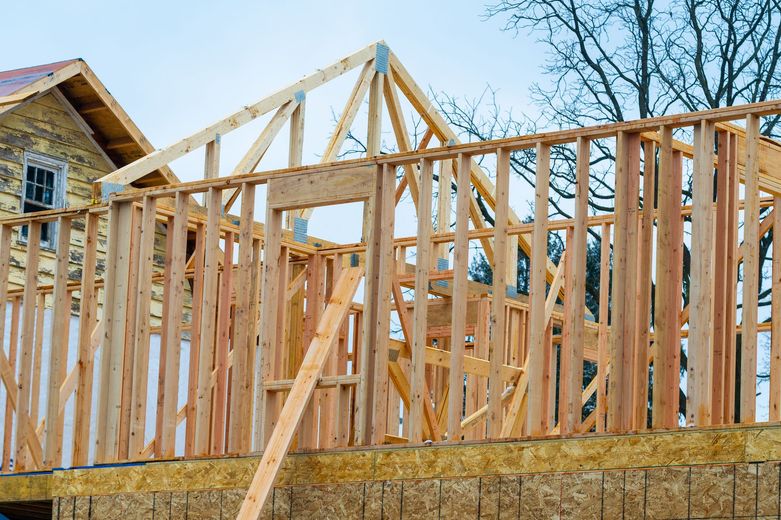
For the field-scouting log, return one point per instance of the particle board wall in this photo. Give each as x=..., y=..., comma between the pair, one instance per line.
x=683, y=492
x=45, y=126
x=712, y=473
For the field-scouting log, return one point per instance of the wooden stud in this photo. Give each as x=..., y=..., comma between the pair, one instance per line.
x=203, y=398
x=114, y=318
x=59, y=344
x=87, y=319
x=623, y=317
x=537, y=323
x=267, y=402
x=721, y=330
x=420, y=311
x=668, y=299
x=241, y=401
x=748, y=345
x=9, y=380
x=24, y=374
x=603, y=339
x=499, y=269
x=645, y=259
x=574, y=321
x=731, y=268
x=143, y=325
x=774, y=412
x=174, y=326
x=219, y=414
x=698, y=406
x=381, y=242
x=460, y=291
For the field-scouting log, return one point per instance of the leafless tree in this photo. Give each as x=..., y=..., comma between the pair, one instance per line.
x=614, y=60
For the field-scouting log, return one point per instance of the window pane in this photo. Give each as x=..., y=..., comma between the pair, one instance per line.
x=45, y=232
x=49, y=178
x=48, y=194
x=38, y=193
x=30, y=190
x=31, y=173
x=40, y=177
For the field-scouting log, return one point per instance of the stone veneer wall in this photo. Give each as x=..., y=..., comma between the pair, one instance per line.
x=680, y=492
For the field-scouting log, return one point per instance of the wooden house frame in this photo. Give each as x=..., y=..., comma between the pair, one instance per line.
x=283, y=357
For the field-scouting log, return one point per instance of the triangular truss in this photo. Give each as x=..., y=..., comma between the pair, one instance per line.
x=384, y=79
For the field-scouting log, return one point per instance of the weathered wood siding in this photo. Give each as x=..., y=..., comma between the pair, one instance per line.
x=45, y=126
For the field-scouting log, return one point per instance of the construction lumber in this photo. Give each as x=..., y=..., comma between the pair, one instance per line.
x=537, y=321
x=419, y=316
x=300, y=393
x=698, y=405
x=748, y=345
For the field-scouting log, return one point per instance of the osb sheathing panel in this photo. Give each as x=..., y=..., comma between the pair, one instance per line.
x=14, y=488
x=675, y=493
x=605, y=452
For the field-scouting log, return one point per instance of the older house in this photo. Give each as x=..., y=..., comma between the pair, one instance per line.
x=60, y=130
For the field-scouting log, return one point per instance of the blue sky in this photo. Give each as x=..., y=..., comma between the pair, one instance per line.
x=178, y=66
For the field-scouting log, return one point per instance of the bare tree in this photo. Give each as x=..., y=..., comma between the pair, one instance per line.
x=614, y=60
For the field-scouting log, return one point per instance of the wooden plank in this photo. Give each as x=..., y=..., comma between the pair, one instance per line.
x=603, y=338
x=146, y=253
x=537, y=323
x=208, y=329
x=128, y=353
x=196, y=285
x=306, y=380
x=668, y=299
x=577, y=259
x=24, y=373
x=166, y=311
x=222, y=343
x=374, y=122
x=267, y=403
x=381, y=242
x=721, y=277
x=334, y=187
x=623, y=318
x=173, y=326
x=698, y=396
x=644, y=287
x=420, y=312
x=7, y=364
x=211, y=159
x=156, y=159
x=460, y=290
x=240, y=404
x=349, y=112
x=730, y=347
x=774, y=412
x=115, y=314
x=59, y=345
x=40, y=311
x=87, y=319
x=9, y=381
x=748, y=345
x=498, y=316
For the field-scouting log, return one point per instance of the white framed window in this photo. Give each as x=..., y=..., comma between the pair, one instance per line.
x=43, y=188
